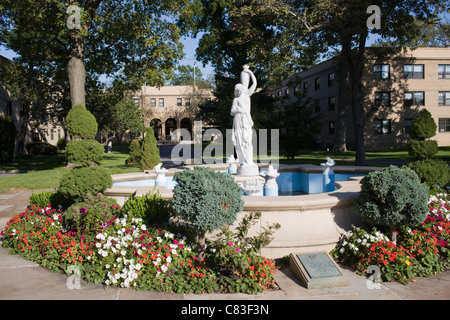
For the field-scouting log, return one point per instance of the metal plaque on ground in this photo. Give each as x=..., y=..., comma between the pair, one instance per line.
x=317, y=270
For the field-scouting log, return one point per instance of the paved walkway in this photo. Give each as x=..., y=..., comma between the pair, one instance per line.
x=22, y=279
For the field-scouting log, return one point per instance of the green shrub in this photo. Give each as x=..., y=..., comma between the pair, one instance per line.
x=151, y=208
x=135, y=152
x=88, y=217
x=81, y=123
x=422, y=149
x=391, y=198
x=8, y=135
x=423, y=127
x=38, y=148
x=207, y=199
x=149, y=151
x=84, y=152
x=431, y=171
x=61, y=144
x=54, y=198
x=78, y=182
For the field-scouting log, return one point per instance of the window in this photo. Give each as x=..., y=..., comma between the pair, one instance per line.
x=295, y=91
x=153, y=102
x=161, y=102
x=382, y=98
x=330, y=79
x=444, y=124
x=444, y=98
x=381, y=71
x=444, y=71
x=413, y=71
x=382, y=126
x=305, y=87
x=414, y=99
x=179, y=101
x=331, y=103
x=136, y=101
x=331, y=127
x=408, y=125
x=286, y=91
x=317, y=83
x=187, y=101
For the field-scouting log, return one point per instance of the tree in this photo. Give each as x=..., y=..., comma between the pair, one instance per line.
x=126, y=115
x=149, y=151
x=209, y=200
x=131, y=42
x=341, y=28
x=391, y=198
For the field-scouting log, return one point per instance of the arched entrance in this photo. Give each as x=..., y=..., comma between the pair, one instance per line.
x=170, y=126
x=157, y=128
x=186, y=123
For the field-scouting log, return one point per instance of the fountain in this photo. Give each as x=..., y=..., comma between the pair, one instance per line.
x=318, y=207
x=160, y=175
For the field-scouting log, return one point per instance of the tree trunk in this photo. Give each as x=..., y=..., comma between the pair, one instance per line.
x=75, y=68
x=354, y=61
x=340, y=142
x=21, y=141
x=394, y=234
x=201, y=245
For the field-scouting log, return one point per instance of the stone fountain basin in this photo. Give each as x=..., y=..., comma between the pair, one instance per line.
x=309, y=223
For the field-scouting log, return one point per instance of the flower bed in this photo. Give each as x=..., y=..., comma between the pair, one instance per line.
x=110, y=247
x=420, y=251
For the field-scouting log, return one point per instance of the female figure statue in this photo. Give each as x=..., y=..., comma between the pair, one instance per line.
x=243, y=123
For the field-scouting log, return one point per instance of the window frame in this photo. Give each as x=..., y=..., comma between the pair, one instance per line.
x=412, y=74
x=378, y=74
x=413, y=100
x=445, y=98
x=446, y=72
x=379, y=102
x=380, y=128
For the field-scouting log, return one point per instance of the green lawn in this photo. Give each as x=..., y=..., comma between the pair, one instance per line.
x=44, y=172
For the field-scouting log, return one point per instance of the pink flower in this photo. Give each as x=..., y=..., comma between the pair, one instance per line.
x=230, y=243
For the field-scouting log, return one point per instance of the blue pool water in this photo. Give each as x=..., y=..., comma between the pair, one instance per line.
x=289, y=183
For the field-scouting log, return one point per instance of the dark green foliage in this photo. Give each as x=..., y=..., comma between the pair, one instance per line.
x=37, y=148
x=208, y=199
x=90, y=216
x=61, y=144
x=151, y=207
x=54, y=198
x=423, y=127
x=432, y=171
x=84, y=152
x=81, y=123
x=135, y=152
x=149, y=151
x=78, y=182
x=392, y=197
x=8, y=135
x=422, y=149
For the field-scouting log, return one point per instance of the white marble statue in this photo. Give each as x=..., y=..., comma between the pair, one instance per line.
x=243, y=123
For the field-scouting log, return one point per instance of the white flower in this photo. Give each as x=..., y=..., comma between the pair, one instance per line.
x=169, y=259
x=107, y=266
x=98, y=244
x=342, y=250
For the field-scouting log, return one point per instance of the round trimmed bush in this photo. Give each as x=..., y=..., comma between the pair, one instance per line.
x=209, y=200
x=420, y=149
x=38, y=148
x=84, y=152
x=79, y=182
x=81, y=123
x=391, y=198
x=423, y=127
x=432, y=171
